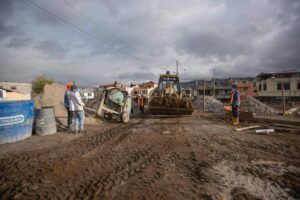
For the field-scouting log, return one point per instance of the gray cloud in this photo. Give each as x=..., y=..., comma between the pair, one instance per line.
x=7, y=31
x=19, y=42
x=213, y=44
x=137, y=76
x=6, y=9
x=134, y=41
x=52, y=49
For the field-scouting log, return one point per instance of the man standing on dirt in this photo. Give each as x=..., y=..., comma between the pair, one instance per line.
x=235, y=103
x=77, y=105
x=67, y=105
x=141, y=102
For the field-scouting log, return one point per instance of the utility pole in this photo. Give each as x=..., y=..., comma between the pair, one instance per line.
x=283, y=99
x=203, y=106
x=196, y=85
x=177, y=64
x=214, y=86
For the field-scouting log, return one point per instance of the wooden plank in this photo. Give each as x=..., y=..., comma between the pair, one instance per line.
x=247, y=128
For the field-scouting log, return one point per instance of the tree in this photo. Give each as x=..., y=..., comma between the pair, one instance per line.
x=38, y=84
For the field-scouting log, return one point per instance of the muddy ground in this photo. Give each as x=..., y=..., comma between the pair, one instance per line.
x=153, y=158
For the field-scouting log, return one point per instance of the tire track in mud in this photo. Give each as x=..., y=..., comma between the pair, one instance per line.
x=124, y=167
x=134, y=164
x=149, y=181
x=249, y=180
x=232, y=181
x=199, y=166
x=153, y=159
x=102, y=188
x=23, y=173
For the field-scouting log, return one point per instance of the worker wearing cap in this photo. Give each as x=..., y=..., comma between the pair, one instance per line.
x=77, y=105
x=235, y=103
x=67, y=105
x=141, y=102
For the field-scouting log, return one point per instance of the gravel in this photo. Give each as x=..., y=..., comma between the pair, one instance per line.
x=250, y=104
x=211, y=104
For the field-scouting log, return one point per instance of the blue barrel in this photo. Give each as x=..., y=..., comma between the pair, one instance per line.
x=16, y=119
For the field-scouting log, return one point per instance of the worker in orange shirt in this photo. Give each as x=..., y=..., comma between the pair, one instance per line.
x=141, y=102
x=235, y=103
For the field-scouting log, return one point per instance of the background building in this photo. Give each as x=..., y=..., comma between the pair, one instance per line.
x=273, y=87
x=221, y=88
x=12, y=91
x=87, y=93
x=145, y=89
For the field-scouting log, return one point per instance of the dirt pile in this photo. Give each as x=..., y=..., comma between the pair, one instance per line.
x=250, y=104
x=211, y=104
x=53, y=95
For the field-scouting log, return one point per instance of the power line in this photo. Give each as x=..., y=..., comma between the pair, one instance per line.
x=99, y=27
x=93, y=21
x=74, y=27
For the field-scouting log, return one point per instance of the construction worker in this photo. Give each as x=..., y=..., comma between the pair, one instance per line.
x=77, y=105
x=141, y=102
x=67, y=105
x=235, y=103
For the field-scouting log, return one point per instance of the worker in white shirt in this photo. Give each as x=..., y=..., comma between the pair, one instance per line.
x=77, y=105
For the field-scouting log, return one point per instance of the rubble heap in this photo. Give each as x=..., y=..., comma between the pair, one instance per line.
x=211, y=104
x=250, y=104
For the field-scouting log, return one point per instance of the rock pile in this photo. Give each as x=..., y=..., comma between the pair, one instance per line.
x=250, y=104
x=211, y=104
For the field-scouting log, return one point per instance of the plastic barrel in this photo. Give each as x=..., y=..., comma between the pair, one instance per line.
x=16, y=119
x=45, y=121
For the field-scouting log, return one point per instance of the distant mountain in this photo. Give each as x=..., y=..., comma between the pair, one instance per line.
x=192, y=84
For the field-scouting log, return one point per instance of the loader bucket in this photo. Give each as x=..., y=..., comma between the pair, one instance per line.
x=170, y=105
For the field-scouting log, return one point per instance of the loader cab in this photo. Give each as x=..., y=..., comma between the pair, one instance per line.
x=169, y=84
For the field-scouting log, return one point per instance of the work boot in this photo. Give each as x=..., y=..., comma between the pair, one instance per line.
x=76, y=131
x=235, y=121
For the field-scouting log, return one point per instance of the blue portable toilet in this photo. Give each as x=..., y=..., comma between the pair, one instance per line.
x=16, y=120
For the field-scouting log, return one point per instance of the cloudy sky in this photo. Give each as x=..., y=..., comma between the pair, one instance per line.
x=99, y=41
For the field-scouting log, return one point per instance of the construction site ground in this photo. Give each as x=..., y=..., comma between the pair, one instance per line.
x=156, y=157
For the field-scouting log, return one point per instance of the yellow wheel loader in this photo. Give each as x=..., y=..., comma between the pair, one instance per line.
x=167, y=97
